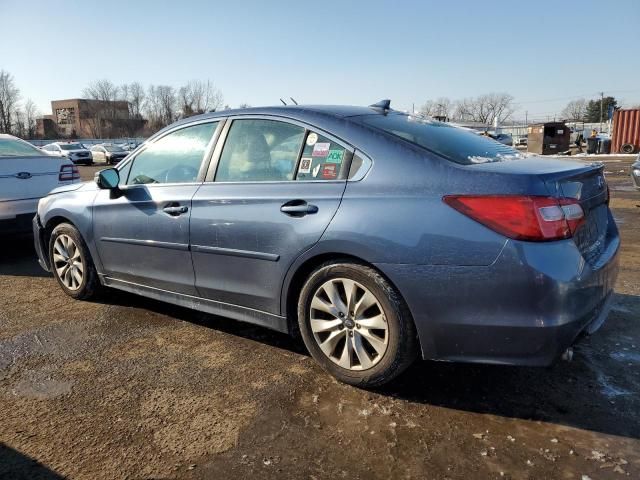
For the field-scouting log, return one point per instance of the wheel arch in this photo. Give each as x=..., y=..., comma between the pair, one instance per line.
x=299, y=274
x=47, y=230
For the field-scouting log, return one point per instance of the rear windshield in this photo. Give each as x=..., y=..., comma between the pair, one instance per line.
x=17, y=148
x=72, y=146
x=456, y=144
x=110, y=148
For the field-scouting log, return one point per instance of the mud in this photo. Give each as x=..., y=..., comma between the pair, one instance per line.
x=132, y=388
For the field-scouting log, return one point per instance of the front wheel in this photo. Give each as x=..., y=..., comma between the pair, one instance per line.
x=71, y=263
x=356, y=325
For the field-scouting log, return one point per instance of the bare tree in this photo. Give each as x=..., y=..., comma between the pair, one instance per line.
x=244, y=105
x=134, y=94
x=199, y=97
x=136, y=99
x=485, y=108
x=160, y=106
x=30, y=115
x=441, y=107
x=9, y=97
x=104, y=110
x=575, y=110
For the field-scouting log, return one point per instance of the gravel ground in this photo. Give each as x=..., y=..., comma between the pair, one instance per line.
x=132, y=388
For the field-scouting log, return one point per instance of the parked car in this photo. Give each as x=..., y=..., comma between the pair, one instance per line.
x=75, y=152
x=26, y=175
x=635, y=172
x=377, y=235
x=503, y=138
x=523, y=140
x=108, y=153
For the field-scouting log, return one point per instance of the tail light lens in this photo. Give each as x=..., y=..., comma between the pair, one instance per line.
x=522, y=217
x=68, y=173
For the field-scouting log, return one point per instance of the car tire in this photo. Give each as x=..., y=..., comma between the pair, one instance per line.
x=67, y=248
x=379, y=364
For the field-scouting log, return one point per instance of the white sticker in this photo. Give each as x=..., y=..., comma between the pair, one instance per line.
x=316, y=170
x=560, y=132
x=312, y=139
x=305, y=165
x=320, y=150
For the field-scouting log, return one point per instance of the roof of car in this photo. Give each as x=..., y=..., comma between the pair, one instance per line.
x=342, y=111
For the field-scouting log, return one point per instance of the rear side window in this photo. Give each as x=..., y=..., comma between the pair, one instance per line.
x=260, y=151
x=453, y=143
x=17, y=148
x=322, y=159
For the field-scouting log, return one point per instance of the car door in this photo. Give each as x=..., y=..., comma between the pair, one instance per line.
x=277, y=186
x=98, y=154
x=142, y=232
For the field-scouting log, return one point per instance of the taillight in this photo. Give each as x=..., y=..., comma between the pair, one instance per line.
x=68, y=173
x=522, y=217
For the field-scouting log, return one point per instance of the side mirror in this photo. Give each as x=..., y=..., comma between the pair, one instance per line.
x=108, y=179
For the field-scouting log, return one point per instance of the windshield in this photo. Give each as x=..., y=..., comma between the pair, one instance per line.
x=455, y=144
x=71, y=146
x=110, y=148
x=17, y=148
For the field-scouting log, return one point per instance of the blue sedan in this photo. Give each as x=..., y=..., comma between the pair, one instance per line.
x=375, y=235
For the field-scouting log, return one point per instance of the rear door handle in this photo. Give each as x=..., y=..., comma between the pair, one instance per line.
x=175, y=210
x=298, y=208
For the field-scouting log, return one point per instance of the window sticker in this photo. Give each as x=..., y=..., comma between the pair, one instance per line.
x=316, y=170
x=335, y=156
x=305, y=165
x=320, y=150
x=312, y=139
x=330, y=171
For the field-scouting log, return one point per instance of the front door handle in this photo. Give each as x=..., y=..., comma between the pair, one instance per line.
x=298, y=208
x=175, y=210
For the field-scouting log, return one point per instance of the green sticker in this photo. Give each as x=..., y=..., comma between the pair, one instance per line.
x=335, y=156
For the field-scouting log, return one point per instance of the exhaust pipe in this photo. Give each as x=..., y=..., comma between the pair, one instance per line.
x=567, y=356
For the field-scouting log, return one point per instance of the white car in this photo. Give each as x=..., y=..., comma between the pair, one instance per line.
x=26, y=175
x=73, y=150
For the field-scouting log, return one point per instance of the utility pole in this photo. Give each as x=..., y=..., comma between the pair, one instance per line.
x=601, y=109
x=526, y=117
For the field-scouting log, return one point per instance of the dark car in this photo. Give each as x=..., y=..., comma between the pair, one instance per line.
x=377, y=235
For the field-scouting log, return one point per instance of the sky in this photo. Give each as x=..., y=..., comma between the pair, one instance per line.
x=543, y=53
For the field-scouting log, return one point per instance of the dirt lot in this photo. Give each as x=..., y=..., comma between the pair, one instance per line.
x=132, y=388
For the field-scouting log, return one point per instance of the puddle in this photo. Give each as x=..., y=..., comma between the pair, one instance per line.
x=40, y=385
x=626, y=357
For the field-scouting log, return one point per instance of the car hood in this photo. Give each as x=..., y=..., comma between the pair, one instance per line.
x=88, y=185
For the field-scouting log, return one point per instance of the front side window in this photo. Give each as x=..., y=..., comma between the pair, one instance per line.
x=174, y=158
x=260, y=150
x=452, y=143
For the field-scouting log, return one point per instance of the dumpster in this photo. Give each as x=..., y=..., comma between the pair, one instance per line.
x=604, y=145
x=548, y=138
x=592, y=145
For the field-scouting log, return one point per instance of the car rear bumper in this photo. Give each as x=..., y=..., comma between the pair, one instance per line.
x=526, y=308
x=11, y=209
x=17, y=224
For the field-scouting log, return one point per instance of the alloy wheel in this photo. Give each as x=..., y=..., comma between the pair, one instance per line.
x=348, y=324
x=68, y=262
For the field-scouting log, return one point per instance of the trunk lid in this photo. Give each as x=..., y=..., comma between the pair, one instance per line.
x=29, y=177
x=566, y=179
x=586, y=184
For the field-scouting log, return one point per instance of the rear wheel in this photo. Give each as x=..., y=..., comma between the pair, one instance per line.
x=356, y=325
x=71, y=263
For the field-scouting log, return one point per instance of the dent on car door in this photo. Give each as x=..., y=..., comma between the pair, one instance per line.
x=277, y=187
x=142, y=234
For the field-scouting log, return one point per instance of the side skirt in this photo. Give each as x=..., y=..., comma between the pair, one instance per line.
x=243, y=314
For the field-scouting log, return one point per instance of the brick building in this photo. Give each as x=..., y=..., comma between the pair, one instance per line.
x=83, y=118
